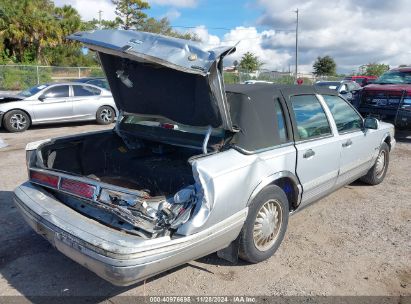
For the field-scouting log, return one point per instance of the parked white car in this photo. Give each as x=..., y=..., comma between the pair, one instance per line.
x=54, y=103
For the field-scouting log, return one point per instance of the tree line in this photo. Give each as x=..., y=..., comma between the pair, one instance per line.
x=326, y=66
x=34, y=31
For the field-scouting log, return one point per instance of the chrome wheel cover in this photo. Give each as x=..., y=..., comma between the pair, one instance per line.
x=380, y=163
x=18, y=121
x=106, y=115
x=267, y=225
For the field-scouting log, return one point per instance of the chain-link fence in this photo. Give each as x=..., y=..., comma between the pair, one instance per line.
x=19, y=77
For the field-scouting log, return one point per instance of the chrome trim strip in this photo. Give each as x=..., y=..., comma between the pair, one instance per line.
x=244, y=151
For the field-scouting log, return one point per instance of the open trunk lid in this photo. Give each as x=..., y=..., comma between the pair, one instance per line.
x=151, y=74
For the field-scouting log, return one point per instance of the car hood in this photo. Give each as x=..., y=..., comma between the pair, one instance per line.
x=9, y=98
x=388, y=87
x=151, y=74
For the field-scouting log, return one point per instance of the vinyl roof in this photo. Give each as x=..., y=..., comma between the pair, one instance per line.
x=260, y=90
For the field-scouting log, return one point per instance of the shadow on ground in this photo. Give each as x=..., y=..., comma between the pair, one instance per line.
x=403, y=136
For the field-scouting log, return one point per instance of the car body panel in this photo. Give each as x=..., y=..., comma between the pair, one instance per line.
x=222, y=197
x=132, y=60
x=113, y=255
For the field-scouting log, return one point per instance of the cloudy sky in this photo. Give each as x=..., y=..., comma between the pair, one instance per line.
x=352, y=32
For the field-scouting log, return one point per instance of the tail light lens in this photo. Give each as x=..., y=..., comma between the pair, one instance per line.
x=44, y=179
x=78, y=188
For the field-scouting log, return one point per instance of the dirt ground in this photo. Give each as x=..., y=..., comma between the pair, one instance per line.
x=356, y=241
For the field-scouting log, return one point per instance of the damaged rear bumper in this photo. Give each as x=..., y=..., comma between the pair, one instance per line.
x=117, y=257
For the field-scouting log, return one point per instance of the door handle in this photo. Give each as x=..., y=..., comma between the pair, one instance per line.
x=308, y=153
x=347, y=143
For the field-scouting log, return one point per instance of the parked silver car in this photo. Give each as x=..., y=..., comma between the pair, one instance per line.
x=56, y=102
x=192, y=167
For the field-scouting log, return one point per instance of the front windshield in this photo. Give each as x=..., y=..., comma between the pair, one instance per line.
x=32, y=91
x=394, y=77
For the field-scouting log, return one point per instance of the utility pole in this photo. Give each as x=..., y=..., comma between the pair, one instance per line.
x=99, y=18
x=296, y=48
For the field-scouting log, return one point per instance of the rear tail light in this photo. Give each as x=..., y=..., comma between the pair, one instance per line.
x=78, y=188
x=44, y=179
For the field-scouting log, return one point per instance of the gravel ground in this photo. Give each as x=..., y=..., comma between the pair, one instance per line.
x=356, y=241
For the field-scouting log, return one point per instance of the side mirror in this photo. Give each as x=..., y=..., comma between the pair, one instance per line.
x=371, y=123
x=343, y=92
x=42, y=97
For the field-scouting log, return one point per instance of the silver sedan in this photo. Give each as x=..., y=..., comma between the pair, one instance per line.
x=56, y=102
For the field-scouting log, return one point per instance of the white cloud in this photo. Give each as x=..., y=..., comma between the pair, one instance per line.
x=175, y=3
x=172, y=14
x=352, y=32
x=246, y=39
x=89, y=9
x=207, y=39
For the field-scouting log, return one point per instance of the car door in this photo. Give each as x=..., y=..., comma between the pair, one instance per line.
x=85, y=101
x=54, y=104
x=357, y=145
x=318, y=147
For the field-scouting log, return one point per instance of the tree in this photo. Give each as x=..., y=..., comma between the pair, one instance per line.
x=131, y=12
x=163, y=27
x=250, y=62
x=324, y=66
x=376, y=69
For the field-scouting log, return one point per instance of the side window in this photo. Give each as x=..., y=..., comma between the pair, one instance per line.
x=282, y=129
x=310, y=117
x=57, y=92
x=82, y=90
x=346, y=118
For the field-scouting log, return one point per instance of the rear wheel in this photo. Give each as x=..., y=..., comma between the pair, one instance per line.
x=265, y=226
x=105, y=115
x=16, y=121
x=377, y=173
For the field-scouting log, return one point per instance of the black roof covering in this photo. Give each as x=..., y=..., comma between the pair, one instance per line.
x=253, y=111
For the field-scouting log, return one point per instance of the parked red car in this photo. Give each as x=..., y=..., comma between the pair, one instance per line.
x=389, y=98
x=361, y=80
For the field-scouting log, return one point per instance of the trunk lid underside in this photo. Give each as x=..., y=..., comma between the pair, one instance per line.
x=150, y=74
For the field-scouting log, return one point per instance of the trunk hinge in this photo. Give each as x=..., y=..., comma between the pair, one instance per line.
x=206, y=139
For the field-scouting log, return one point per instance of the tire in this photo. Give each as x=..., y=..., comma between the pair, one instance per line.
x=105, y=115
x=16, y=121
x=377, y=173
x=253, y=248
